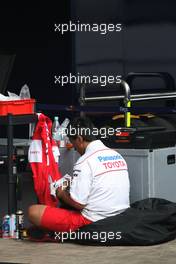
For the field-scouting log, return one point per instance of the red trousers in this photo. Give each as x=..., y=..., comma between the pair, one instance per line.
x=62, y=220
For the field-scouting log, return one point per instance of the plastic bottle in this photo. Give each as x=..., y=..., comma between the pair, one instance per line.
x=66, y=142
x=63, y=132
x=65, y=123
x=25, y=93
x=55, y=127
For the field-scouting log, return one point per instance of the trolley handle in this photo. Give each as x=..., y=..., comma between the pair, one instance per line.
x=165, y=76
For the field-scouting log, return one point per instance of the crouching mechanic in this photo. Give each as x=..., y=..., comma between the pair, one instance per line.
x=99, y=187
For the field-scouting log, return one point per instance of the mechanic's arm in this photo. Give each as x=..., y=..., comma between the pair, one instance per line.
x=79, y=189
x=65, y=197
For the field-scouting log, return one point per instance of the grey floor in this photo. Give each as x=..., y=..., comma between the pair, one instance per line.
x=32, y=252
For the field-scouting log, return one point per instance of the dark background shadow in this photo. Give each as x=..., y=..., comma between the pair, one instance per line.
x=28, y=32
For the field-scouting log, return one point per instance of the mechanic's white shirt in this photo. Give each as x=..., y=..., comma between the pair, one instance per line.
x=101, y=182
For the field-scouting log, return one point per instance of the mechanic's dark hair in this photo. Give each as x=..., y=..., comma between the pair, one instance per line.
x=81, y=126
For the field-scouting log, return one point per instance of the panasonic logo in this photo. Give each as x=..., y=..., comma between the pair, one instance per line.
x=105, y=158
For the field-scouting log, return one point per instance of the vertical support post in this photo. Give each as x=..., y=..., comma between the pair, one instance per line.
x=127, y=102
x=128, y=115
x=82, y=99
x=12, y=201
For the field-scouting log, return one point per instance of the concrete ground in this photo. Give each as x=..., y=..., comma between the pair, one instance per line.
x=31, y=252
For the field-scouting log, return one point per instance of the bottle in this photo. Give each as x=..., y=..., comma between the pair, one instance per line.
x=6, y=226
x=13, y=226
x=19, y=224
x=65, y=123
x=55, y=128
x=63, y=132
x=25, y=93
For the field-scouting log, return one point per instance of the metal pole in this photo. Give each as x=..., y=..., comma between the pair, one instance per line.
x=127, y=103
x=12, y=201
x=137, y=97
x=154, y=98
x=82, y=98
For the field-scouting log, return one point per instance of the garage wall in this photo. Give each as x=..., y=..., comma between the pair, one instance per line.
x=146, y=43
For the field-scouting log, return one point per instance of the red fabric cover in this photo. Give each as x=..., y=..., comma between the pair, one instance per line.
x=47, y=166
